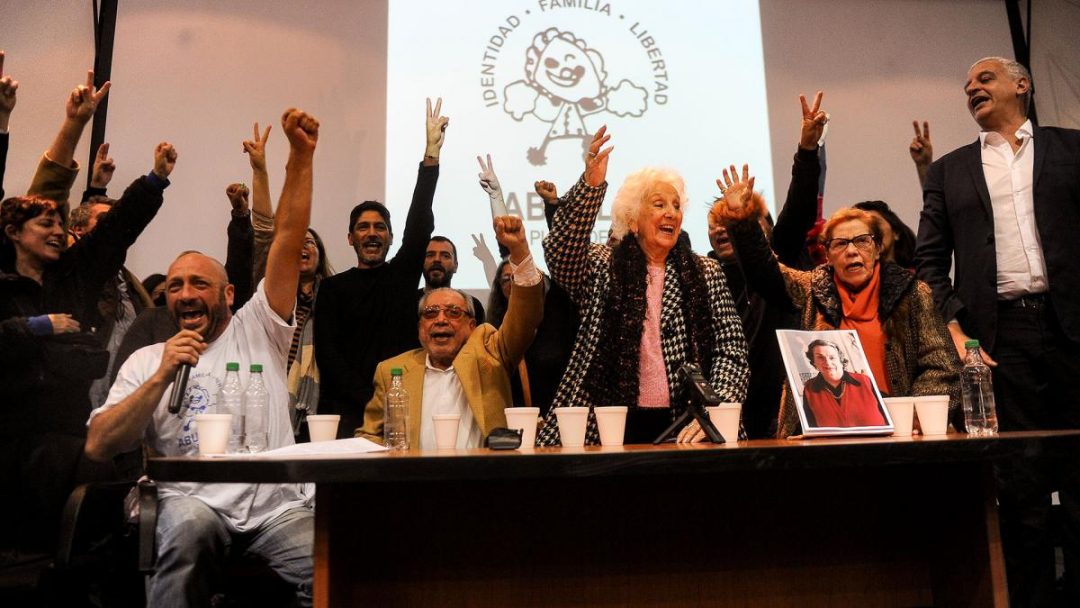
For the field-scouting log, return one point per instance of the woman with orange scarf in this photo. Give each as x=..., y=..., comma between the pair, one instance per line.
x=902, y=334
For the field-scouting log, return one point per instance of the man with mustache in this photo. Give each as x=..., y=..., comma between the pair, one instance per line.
x=1006, y=209
x=462, y=368
x=367, y=313
x=199, y=523
x=440, y=265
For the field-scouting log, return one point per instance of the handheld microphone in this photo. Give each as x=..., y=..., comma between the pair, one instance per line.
x=179, y=387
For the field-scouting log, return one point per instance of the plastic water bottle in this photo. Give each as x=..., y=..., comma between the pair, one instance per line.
x=231, y=401
x=256, y=411
x=980, y=415
x=396, y=423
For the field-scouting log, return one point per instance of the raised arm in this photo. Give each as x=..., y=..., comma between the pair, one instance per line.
x=262, y=216
x=566, y=246
x=57, y=170
x=293, y=213
x=921, y=150
x=241, y=244
x=8, y=87
x=104, y=168
x=739, y=210
x=799, y=212
x=526, y=307
x=420, y=222
x=120, y=427
x=97, y=257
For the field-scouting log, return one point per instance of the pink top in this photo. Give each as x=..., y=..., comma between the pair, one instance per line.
x=652, y=372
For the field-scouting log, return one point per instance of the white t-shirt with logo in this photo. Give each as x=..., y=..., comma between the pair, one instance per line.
x=254, y=335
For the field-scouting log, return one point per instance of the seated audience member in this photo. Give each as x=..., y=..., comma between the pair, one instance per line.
x=303, y=374
x=897, y=239
x=440, y=264
x=366, y=313
x=627, y=292
x=462, y=368
x=48, y=358
x=904, y=339
x=835, y=396
x=197, y=523
x=124, y=296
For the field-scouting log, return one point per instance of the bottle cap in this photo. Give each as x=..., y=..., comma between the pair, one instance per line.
x=395, y=371
x=232, y=366
x=971, y=344
x=256, y=367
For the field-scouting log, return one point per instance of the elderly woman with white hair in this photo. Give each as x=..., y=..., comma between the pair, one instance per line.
x=648, y=304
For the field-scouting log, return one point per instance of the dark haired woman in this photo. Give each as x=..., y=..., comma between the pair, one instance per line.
x=648, y=304
x=48, y=357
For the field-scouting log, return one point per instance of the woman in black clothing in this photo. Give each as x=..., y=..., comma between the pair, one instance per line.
x=48, y=358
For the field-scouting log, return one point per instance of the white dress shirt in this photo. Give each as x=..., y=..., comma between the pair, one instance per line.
x=1021, y=269
x=442, y=389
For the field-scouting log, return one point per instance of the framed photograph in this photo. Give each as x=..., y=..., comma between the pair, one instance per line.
x=834, y=389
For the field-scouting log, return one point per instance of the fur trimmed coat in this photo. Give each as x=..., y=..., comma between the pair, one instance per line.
x=583, y=270
x=920, y=358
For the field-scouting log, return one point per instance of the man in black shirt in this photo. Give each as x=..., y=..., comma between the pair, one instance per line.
x=368, y=313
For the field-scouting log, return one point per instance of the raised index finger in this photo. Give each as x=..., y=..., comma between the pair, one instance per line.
x=817, y=102
x=103, y=151
x=90, y=79
x=1, y=63
x=266, y=133
x=805, y=108
x=438, y=107
x=926, y=129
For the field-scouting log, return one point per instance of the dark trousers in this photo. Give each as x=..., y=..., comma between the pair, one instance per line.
x=1037, y=387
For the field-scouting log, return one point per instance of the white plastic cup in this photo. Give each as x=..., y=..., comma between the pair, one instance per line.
x=572, y=421
x=725, y=417
x=323, y=427
x=611, y=420
x=213, y=432
x=524, y=418
x=933, y=412
x=902, y=412
x=446, y=429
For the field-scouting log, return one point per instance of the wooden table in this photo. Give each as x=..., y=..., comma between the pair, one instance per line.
x=824, y=522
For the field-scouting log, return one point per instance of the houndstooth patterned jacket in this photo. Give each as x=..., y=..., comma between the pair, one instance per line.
x=583, y=269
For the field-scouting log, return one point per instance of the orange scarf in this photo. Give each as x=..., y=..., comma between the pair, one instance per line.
x=861, y=314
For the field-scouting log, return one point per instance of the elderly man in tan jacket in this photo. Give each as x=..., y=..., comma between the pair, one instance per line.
x=461, y=368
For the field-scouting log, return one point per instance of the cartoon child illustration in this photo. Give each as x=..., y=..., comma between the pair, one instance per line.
x=198, y=402
x=565, y=81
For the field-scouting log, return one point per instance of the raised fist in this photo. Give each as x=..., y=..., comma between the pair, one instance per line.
x=302, y=130
x=164, y=159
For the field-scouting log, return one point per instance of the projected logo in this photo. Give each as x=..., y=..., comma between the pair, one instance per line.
x=561, y=79
x=565, y=81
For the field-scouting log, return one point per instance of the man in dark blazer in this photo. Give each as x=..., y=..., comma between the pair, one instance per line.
x=1006, y=209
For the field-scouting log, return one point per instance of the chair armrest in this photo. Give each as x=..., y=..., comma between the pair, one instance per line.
x=148, y=501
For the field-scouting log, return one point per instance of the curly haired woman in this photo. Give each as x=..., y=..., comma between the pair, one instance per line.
x=648, y=304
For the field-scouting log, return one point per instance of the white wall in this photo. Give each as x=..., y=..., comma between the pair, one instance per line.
x=199, y=73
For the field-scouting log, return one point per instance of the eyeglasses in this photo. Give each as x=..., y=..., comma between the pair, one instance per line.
x=864, y=242
x=452, y=311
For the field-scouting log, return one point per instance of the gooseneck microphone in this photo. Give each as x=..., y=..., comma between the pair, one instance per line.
x=179, y=387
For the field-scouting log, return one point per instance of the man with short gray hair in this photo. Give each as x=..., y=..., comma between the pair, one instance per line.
x=461, y=368
x=1006, y=209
